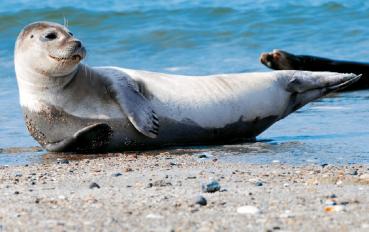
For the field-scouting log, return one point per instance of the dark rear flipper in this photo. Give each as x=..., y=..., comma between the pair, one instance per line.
x=281, y=60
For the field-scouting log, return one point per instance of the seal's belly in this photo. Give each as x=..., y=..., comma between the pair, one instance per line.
x=51, y=125
x=187, y=132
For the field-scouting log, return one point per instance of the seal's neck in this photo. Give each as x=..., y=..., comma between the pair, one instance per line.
x=29, y=79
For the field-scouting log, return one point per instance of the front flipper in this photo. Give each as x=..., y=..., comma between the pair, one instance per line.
x=88, y=139
x=135, y=105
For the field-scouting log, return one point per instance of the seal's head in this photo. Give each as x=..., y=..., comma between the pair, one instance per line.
x=49, y=49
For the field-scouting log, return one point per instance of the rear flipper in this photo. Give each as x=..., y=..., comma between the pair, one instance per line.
x=89, y=139
x=307, y=86
x=281, y=60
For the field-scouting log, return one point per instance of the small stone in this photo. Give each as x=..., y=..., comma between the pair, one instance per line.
x=354, y=173
x=117, y=174
x=364, y=176
x=200, y=200
x=161, y=183
x=324, y=165
x=334, y=208
x=94, y=185
x=286, y=214
x=205, y=155
x=331, y=202
x=211, y=187
x=128, y=170
x=18, y=174
x=62, y=161
x=154, y=216
x=248, y=209
x=16, y=192
x=259, y=183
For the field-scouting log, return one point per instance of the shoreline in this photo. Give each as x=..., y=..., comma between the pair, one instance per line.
x=133, y=192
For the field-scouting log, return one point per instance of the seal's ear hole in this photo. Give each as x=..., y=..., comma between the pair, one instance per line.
x=31, y=36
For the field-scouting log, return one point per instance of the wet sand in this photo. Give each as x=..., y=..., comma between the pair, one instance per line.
x=130, y=192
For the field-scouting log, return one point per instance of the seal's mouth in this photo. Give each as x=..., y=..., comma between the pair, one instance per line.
x=75, y=57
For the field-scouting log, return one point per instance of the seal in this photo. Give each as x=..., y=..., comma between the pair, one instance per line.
x=71, y=107
x=282, y=60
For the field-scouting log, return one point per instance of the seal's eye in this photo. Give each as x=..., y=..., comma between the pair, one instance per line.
x=51, y=36
x=70, y=33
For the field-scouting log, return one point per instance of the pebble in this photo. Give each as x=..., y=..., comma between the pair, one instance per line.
x=354, y=173
x=117, y=174
x=259, y=183
x=154, y=216
x=94, y=185
x=334, y=208
x=331, y=202
x=364, y=176
x=211, y=187
x=161, y=183
x=62, y=161
x=248, y=209
x=339, y=182
x=200, y=200
x=205, y=155
x=18, y=175
x=286, y=214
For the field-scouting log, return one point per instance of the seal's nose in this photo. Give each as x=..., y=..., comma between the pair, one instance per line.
x=78, y=44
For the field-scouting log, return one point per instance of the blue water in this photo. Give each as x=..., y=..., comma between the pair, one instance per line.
x=206, y=37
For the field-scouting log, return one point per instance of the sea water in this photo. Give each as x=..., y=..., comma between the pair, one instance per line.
x=208, y=37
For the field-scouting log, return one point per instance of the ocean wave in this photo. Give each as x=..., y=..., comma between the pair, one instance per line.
x=145, y=5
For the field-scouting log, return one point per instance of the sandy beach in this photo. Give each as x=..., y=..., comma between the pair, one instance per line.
x=141, y=192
